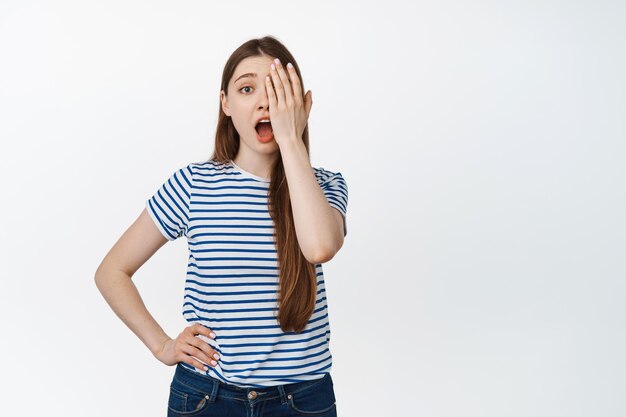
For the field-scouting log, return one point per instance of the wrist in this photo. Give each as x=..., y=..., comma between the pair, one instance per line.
x=157, y=347
x=291, y=144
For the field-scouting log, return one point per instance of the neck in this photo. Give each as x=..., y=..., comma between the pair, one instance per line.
x=258, y=164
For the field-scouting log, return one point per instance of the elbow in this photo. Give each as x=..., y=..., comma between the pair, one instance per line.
x=98, y=277
x=325, y=250
x=323, y=255
x=320, y=258
x=101, y=276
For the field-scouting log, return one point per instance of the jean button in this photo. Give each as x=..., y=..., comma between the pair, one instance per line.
x=252, y=395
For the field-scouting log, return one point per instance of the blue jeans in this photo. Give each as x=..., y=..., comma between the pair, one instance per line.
x=194, y=394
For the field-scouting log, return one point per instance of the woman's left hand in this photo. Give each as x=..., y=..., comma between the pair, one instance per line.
x=289, y=111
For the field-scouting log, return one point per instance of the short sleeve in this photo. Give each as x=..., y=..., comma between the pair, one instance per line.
x=169, y=205
x=336, y=191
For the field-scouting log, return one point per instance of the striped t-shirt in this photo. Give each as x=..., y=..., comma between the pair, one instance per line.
x=232, y=274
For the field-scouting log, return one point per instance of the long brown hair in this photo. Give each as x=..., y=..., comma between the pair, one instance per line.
x=297, y=276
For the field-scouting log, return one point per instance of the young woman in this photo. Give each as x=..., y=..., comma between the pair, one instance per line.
x=259, y=221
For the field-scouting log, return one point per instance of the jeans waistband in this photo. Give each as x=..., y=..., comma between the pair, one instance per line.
x=212, y=387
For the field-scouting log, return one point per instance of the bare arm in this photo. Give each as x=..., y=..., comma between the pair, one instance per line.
x=114, y=279
x=319, y=226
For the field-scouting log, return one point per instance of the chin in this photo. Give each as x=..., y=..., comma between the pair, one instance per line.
x=264, y=148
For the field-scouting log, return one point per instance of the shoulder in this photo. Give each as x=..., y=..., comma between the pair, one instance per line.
x=207, y=168
x=325, y=176
x=206, y=165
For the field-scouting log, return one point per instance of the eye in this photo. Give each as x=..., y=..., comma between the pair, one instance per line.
x=244, y=87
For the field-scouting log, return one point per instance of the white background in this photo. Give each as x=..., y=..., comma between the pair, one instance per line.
x=483, y=144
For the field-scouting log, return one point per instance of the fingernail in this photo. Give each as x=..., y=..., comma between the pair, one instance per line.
x=216, y=356
x=273, y=66
x=206, y=368
x=213, y=335
x=277, y=61
x=213, y=363
x=289, y=65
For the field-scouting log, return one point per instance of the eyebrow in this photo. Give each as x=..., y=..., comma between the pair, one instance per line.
x=247, y=74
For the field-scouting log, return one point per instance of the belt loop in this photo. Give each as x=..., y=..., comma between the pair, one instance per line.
x=214, y=390
x=283, y=396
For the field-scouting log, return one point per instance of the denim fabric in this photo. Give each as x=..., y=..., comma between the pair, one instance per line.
x=194, y=394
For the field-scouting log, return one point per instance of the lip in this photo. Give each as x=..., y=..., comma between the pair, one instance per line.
x=257, y=133
x=264, y=140
x=261, y=118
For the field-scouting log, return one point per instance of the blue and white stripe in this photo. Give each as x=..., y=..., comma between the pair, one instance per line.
x=232, y=275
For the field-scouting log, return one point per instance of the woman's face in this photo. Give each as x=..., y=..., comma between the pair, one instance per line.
x=247, y=102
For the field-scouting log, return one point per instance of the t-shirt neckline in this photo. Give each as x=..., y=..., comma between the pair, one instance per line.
x=248, y=174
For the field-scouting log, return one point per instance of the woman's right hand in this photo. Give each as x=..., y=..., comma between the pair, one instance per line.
x=187, y=344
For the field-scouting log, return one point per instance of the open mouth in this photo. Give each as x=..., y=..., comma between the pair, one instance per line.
x=264, y=129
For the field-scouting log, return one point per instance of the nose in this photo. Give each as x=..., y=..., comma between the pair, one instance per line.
x=264, y=101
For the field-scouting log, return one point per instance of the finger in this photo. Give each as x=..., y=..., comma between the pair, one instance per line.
x=195, y=351
x=308, y=102
x=203, y=330
x=190, y=352
x=296, y=86
x=195, y=363
x=184, y=355
x=199, y=354
x=199, y=329
x=278, y=85
x=203, y=346
x=270, y=92
x=284, y=78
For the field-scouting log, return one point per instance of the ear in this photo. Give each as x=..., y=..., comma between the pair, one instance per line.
x=224, y=101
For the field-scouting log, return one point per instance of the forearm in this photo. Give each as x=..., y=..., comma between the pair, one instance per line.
x=120, y=292
x=313, y=215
